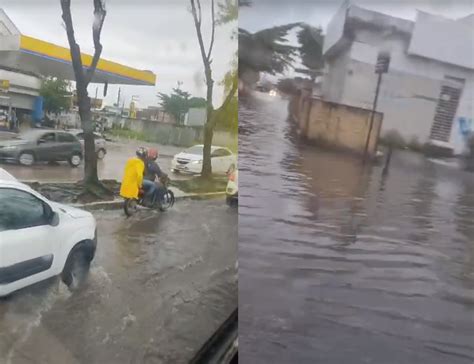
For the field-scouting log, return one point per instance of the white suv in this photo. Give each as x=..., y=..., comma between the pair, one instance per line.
x=40, y=239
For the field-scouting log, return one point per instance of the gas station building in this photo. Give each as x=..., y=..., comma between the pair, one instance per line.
x=25, y=61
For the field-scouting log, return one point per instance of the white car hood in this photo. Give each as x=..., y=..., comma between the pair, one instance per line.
x=71, y=211
x=191, y=157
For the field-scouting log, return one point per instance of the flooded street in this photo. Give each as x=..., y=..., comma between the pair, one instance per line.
x=111, y=167
x=159, y=287
x=340, y=264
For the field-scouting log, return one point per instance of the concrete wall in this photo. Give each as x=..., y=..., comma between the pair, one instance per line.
x=335, y=28
x=332, y=87
x=407, y=102
x=443, y=39
x=171, y=134
x=336, y=125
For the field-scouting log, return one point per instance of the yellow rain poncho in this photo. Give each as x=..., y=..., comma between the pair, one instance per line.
x=132, y=178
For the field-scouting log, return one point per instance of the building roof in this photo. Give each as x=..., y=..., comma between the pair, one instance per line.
x=430, y=36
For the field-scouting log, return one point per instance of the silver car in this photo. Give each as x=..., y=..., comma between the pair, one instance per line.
x=100, y=143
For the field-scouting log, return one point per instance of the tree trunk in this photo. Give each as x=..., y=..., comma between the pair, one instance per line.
x=208, y=127
x=90, y=157
x=206, y=162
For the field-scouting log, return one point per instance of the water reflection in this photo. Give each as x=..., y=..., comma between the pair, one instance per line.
x=340, y=261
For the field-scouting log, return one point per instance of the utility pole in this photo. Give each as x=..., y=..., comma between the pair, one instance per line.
x=381, y=67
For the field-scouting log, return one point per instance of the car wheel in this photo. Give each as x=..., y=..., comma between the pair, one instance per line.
x=101, y=154
x=26, y=159
x=76, y=269
x=75, y=160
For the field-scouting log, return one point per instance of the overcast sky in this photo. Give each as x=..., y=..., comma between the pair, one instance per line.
x=267, y=13
x=156, y=35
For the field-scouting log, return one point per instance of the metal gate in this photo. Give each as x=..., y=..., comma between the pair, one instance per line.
x=446, y=108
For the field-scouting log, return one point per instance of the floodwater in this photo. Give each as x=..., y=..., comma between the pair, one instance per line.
x=111, y=167
x=341, y=264
x=159, y=287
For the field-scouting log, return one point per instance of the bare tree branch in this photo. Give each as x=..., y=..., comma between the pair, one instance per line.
x=213, y=31
x=200, y=12
x=198, y=31
x=99, y=17
x=75, y=49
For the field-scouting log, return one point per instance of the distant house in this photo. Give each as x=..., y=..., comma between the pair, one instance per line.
x=155, y=113
x=195, y=117
x=428, y=92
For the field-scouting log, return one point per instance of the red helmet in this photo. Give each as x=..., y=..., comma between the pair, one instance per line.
x=152, y=153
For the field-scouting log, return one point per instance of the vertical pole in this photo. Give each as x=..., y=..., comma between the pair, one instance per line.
x=372, y=114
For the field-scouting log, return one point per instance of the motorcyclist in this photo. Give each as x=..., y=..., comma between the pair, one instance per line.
x=133, y=175
x=153, y=174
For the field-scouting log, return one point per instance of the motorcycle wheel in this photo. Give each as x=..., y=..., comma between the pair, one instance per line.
x=130, y=206
x=168, y=200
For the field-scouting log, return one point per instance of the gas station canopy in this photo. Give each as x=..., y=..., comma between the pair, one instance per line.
x=31, y=55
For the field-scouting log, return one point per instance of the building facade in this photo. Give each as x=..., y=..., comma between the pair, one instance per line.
x=427, y=95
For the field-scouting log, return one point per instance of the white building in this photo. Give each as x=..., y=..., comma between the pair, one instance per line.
x=428, y=92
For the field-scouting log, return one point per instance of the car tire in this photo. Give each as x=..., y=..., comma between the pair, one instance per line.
x=26, y=158
x=101, y=154
x=76, y=269
x=75, y=160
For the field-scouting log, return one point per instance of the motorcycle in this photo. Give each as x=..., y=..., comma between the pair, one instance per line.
x=130, y=205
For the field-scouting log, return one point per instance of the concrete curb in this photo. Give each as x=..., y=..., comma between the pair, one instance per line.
x=118, y=202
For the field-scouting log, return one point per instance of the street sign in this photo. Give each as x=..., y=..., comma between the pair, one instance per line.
x=383, y=61
x=4, y=85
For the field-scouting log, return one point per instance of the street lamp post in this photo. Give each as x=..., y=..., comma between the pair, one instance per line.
x=381, y=67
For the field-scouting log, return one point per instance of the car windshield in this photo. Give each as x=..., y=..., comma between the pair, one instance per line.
x=197, y=150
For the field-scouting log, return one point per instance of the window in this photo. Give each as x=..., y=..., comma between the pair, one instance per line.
x=80, y=136
x=66, y=138
x=20, y=210
x=48, y=138
x=220, y=153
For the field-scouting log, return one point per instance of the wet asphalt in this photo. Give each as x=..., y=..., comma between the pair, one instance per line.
x=159, y=286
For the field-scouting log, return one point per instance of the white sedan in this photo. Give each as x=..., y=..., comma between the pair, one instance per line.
x=190, y=160
x=40, y=239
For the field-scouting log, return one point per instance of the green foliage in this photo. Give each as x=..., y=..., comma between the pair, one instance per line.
x=266, y=50
x=228, y=117
x=311, y=46
x=56, y=93
x=179, y=102
x=228, y=11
